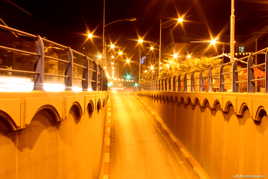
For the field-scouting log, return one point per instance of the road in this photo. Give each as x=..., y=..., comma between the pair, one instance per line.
x=139, y=149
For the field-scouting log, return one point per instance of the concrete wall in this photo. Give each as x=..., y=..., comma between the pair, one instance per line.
x=225, y=144
x=68, y=147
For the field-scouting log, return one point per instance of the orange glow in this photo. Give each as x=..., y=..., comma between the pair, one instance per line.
x=120, y=52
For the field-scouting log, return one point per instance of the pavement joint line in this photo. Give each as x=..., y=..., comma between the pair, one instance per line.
x=108, y=131
x=105, y=169
x=107, y=157
x=109, y=121
x=108, y=141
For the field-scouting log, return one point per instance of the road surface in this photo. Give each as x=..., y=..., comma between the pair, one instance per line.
x=139, y=149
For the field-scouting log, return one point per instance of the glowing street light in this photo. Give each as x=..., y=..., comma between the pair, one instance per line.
x=112, y=46
x=140, y=41
x=128, y=60
x=175, y=55
x=99, y=56
x=120, y=53
x=189, y=56
x=90, y=35
x=152, y=68
x=180, y=20
x=152, y=48
x=213, y=41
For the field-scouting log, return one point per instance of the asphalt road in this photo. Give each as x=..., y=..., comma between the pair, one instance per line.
x=139, y=149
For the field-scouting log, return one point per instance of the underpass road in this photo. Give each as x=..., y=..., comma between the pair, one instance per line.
x=139, y=149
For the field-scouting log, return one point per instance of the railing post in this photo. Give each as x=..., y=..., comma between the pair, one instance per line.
x=185, y=83
x=170, y=84
x=85, y=81
x=69, y=71
x=192, y=82
x=210, y=80
x=90, y=73
x=234, y=77
x=163, y=85
x=166, y=84
x=250, y=83
x=174, y=83
x=40, y=66
x=97, y=77
x=201, y=81
x=179, y=83
x=221, y=79
x=266, y=72
x=101, y=79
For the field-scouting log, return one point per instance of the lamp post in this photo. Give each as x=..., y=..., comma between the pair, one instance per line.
x=232, y=31
x=160, y=48
x=104, y=25
x=103, y=32
x=140, y=43
x=179, y=20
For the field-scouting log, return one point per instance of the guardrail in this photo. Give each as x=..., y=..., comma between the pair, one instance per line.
x=246, y=74
x=26, y=55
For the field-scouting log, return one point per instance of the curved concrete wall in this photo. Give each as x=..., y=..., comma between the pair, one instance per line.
x=226, y=133
x=63, y=138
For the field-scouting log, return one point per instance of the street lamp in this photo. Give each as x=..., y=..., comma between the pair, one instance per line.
x=213, y=41
x=189, y=56
x=175, y=55
x=120, y=52
x=128, y=60
x=121, y=20
x=104, y=25
x=112, y=46
x=140, y=42
x=152, y=48
x=99, y=56
x=90, y=35
x=180, y=20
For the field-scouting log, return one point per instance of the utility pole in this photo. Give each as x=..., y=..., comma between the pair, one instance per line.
x=160, y=47
x=103, y=34
x=232, y=31
x=139, y=65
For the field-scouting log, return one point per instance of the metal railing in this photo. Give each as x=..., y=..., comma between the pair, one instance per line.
x=246, y=74
x=45, y=61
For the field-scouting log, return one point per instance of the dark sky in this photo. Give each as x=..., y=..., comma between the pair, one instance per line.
x=64, y=21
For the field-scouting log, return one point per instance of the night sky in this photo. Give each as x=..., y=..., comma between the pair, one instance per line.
x=65, y=21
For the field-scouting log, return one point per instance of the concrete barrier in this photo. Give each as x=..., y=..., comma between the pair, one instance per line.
x=225, y=132
x=51, y=135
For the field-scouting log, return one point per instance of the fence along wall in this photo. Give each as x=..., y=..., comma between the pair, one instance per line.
x=222, y=134
x=246, y=74
x=43, y=61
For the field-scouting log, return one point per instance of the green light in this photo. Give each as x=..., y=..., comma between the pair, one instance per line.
x=136, y=84
x=128, y=77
